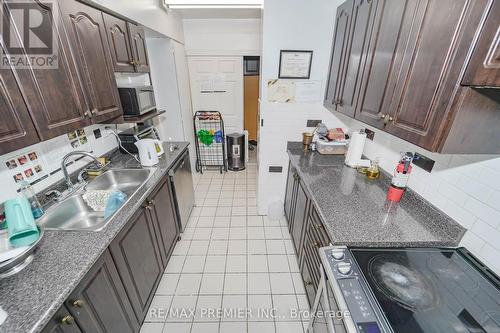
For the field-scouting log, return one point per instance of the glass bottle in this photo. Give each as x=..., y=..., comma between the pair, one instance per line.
x=29, y=193
x=373, y=172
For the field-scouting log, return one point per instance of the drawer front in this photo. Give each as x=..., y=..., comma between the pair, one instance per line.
x=318, y=228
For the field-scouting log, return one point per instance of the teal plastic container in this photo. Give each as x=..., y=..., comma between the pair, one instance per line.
x=21, y=224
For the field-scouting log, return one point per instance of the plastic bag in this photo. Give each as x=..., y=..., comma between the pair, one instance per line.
x=115, y=201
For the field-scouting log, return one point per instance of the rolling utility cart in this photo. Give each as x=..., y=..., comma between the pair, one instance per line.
x=210, y=141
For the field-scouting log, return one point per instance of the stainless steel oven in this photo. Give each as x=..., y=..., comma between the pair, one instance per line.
x=137, y=101
x=405, y=290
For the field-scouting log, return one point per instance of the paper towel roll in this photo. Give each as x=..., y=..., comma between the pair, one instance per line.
x=355, y=149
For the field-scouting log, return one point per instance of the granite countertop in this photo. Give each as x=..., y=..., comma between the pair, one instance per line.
x=32, y=296
x=355, y=211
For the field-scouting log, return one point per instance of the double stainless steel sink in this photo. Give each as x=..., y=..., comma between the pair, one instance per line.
x=73, y=213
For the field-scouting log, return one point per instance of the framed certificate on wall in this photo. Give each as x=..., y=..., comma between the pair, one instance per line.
x=295, y=64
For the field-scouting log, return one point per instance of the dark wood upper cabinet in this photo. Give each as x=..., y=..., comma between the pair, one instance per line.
x=119, y=43
x=87, y=34
x=402, y=66
x=54, y=96
x=378, y=61
x=484, y=66
x=137, y=258
x=437, y=35
x=99, y=303
x=161, y=206
x=339, y=53
x=138, y=43
x=16, y=126
x=363, y=12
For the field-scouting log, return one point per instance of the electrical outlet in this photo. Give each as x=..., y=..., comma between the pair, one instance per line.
x=275, y=169
x=312, y=123
x=423, y=162
x=369, y=134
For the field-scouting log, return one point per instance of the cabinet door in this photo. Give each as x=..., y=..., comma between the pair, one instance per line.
x=54, y=96
x=99, y=304
x=290, y=195
x=437, y=35
x=299, y=216
x=484, y=66
x=119, y=43
x=138, y=42
x=339, y=50
x=16, y=127
x=163, y=213
x=308, y=284
x=62, y=322
x=87, y=35
x=137, y=258
x=362, y=16
x=379, y=60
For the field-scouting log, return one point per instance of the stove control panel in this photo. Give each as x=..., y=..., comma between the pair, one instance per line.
x=350, y=282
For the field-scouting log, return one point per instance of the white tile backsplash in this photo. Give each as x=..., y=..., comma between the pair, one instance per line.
x=465, y=187
x=51, y=153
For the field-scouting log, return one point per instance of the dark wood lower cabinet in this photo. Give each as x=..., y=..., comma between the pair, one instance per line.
x=137, y=258
x=99, y=303
x=299, y=216
x=161, y=207
x=62, y=322
x=290, y=195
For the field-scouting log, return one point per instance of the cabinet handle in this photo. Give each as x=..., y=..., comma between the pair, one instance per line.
x=151, y=203
x=387, y=119
x=340, y=102
x=318, y=226
x=77, y=303
x=308, y=283
x=94, y=111
x=381, y=115
x=316, y=244
x=88, y=114
x=67, y=320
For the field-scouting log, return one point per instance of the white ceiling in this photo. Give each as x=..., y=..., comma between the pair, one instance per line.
x=219, y=13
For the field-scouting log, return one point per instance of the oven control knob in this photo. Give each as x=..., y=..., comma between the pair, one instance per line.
x=337, y=254
x=344, y=268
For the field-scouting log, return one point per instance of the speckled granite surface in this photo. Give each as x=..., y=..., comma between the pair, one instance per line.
x=63, y=258
x=355, y=212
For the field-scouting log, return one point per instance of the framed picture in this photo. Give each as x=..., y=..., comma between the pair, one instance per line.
x=295, y=64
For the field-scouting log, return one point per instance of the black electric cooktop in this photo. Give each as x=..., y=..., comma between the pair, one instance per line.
x=431, y=290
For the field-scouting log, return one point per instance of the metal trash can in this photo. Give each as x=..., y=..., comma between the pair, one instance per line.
x=235, y=151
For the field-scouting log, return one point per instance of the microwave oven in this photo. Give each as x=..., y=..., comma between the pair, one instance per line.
x=137, y=101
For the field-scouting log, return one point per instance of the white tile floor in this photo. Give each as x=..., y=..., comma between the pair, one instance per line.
x=231, y=266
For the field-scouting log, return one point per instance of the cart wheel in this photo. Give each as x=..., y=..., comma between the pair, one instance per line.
x=198, y=166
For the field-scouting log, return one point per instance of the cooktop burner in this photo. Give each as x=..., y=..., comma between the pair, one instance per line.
x=406, y=286
x=430, y=290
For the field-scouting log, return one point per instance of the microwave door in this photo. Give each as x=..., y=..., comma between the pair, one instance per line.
x=146, y=99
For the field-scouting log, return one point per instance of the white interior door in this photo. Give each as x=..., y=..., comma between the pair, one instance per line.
x=217, y=85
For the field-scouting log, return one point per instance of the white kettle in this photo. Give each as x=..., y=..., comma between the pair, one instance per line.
x=148, y=154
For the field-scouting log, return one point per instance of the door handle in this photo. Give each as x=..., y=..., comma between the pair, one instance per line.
x=67, y=320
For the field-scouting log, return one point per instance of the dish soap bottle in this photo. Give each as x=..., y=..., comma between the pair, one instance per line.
x=373, y=172
x=29, y=193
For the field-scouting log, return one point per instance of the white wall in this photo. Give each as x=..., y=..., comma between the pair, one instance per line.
x=298, y=25
x=465, y=187
x=150, y=14
x=170, y=78
x=50, y=154
x=164, y=79
x=222, y=36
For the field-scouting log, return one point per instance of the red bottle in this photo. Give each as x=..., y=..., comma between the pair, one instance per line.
x=400, y=179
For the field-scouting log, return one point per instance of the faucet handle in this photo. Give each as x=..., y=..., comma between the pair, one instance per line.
x=55, y=193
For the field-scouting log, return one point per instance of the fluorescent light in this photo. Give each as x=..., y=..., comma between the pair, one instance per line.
x=183, y=4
